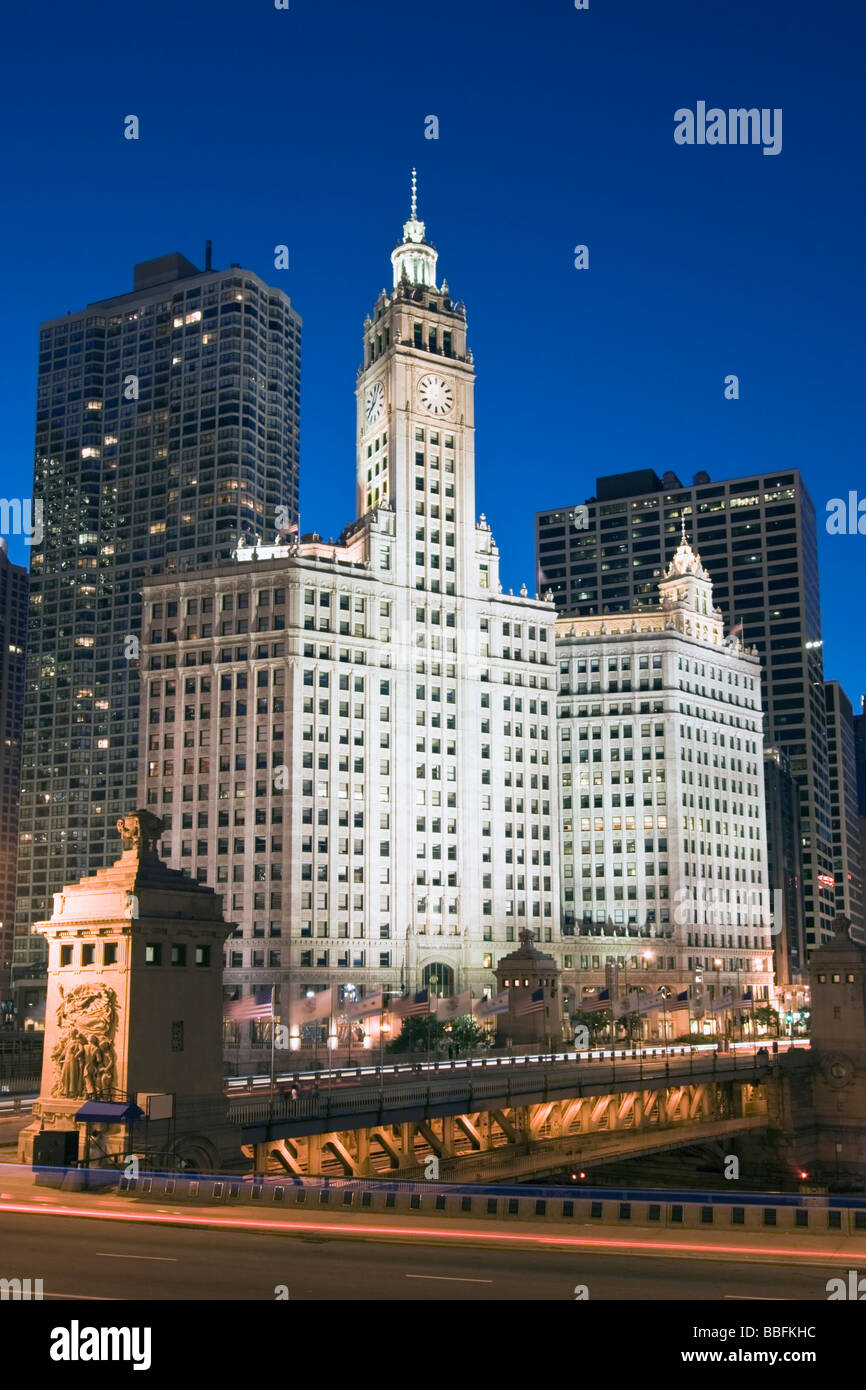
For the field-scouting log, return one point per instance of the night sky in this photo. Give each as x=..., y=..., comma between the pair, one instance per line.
x=262, y=126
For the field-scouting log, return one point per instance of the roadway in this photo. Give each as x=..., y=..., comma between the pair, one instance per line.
x=80, y=1258
x=403, y=1070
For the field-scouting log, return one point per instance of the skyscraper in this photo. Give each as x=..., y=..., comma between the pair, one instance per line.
x=757, y=538
x=13, y=637
x=842, y=762
x=785, y=870
x=860, y=751
x=355, y=738
x=167, y=425
x=664, y=867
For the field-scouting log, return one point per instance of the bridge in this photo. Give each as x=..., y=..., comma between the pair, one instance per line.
x=497, y=1119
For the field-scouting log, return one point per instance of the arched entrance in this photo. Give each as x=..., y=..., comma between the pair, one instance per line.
x=438, y=979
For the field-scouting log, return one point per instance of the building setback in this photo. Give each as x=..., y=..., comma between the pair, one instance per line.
x=860, y=751
x=355, y=740
x=757, y=538
x=842, y=761
x=13, y=638
x=785, y=870
x=167, y=424
x=664, y=871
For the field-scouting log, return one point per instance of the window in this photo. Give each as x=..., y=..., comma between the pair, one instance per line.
x=88, y=955
x=109, y=953
x=178, y=955
x=153, y=953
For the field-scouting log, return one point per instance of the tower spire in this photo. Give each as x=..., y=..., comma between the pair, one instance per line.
x=414, y=256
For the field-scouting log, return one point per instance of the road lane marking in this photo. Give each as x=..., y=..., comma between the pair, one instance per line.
x=110, y=1255
x=449, y=1279
x=755, y=1297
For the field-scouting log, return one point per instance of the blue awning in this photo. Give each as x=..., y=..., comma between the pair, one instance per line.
x=113, y=1112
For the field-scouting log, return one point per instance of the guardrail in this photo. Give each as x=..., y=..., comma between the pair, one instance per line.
x=19, y=1105
x=424, y=1062
x=593, y=1207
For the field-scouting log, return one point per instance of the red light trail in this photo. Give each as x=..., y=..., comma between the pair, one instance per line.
x=425, y=1232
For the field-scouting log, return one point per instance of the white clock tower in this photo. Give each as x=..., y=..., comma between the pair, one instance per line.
x=415, y=433
x=421, y=698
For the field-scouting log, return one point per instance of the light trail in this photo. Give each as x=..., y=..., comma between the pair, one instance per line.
x=233, y=1223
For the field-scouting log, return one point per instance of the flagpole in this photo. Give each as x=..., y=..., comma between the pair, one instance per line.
x=273, y=1035
x=273, y=1078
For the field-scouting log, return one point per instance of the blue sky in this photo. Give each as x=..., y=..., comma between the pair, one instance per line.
x=261, y=127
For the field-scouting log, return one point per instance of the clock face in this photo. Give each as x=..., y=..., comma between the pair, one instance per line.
x=374, y=402
x=435, y=395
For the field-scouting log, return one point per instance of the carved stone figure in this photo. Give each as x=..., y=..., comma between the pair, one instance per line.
x=71, y=1071
x=83, y=1055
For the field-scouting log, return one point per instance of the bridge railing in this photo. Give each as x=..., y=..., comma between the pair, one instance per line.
x=330, y=1104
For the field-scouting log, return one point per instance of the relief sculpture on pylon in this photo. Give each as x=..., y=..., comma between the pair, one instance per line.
x=83, y=1056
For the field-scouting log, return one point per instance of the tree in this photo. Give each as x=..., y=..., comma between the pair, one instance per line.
x=428, y=1034
x=596, y=1023
x=466, y=1034
x=768, y=1018
x=418, y=1034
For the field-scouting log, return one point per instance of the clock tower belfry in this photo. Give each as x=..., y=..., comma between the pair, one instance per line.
x=415, y=419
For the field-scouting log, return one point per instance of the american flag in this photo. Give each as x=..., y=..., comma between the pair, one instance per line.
x=533, y=1004
x=594, y=1003
x=411, y=1005
x=257, y=1006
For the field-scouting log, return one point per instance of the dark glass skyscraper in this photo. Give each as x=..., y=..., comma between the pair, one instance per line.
x=842, y=761
x=860, y=753
x=167, y=426
x=757, y=538
x=13, y=634
x=784, y=868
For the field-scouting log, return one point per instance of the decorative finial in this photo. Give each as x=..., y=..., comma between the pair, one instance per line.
x=684, y=537
x=414, y=196
x=141, y=831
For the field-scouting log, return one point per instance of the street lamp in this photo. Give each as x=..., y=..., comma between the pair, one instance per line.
x=383, y=1029
x=757, y=964
x=718, y=963
x=621, y=963
x=350, y=994
x=648, y=956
